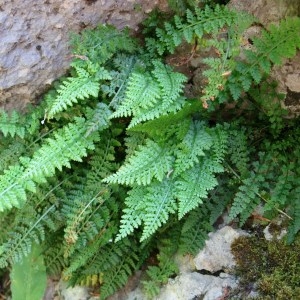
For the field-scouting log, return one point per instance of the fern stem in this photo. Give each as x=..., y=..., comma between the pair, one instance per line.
x=258, y=194
x=53, y=189
x=39, y=138
x=77, y=220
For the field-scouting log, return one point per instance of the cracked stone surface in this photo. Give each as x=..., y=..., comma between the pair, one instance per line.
x=34, y=39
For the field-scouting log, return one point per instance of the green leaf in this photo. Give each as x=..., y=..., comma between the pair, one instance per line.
x=150, y=161
x=28, y=278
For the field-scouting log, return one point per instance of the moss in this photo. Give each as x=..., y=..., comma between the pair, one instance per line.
x=272, y=266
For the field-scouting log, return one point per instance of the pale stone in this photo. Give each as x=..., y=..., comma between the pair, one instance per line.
x=216, y=255
x=34, y=39
x=190, y=285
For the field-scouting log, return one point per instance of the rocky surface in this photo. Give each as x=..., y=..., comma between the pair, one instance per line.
x=267, y=11
x=34, y=39
x=287, y=75
x=288, y=78
x=203, y=277
x=216, y=255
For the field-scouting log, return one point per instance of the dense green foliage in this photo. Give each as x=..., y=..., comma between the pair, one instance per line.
x=272, y=265
x=117, y=163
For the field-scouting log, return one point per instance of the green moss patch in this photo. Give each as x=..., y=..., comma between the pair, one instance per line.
x=272, y=267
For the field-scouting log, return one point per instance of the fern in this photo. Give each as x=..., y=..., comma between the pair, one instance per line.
x=82, y=86
x=159, y=274
x=100, y=44
x=151, y=95
x=10, y=124
x=192, y=147
x=272, y=47
x=150, y=161
x=195, y=24
x=23, y=237
x=116, y=153
x=54, y=154
x=194, y=185
x=123, y=68
x=195, y=231
x=16, y=124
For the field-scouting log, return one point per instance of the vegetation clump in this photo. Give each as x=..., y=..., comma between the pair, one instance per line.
x=117, y=162
x=271, y=267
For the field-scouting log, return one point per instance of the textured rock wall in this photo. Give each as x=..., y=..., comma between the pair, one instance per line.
x=287, y=75
x=34, y=37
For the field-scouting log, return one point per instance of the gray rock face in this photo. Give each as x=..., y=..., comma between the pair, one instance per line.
x=216, y=255
x=287, y=75
x=267, y=11
x=34, y=39
x=190, y=285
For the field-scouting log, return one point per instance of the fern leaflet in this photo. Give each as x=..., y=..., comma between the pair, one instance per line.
x=150, y=161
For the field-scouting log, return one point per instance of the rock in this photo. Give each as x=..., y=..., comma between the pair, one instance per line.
x=274, y=230
x=188, y=286
x=288, y=78
x=216, y=255
x=287, y=75
x=185, y=263
x=34, y=39
x=266, y=11
x=191, y=285
x=73, y=293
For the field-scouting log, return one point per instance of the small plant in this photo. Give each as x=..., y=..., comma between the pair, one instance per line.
x=272, y=266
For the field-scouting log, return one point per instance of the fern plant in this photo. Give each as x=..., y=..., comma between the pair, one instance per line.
x=117, y=163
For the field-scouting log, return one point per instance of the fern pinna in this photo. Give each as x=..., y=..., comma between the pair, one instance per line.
x=117, y=163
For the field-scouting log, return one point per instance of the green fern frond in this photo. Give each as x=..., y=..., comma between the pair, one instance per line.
x=97, y=118
x=194, y=25
x=150, y=206
x=11, y=124
x=100, y=44
x=159, y=127
x=149, y=96
x=192, y=147
x=54, y=255
x=150, y=161
x=159, y=204
x=114, y=263
x=81, y=87
x=67, y=145
x=278, y=43
x=194, y=184
x=10, y=155
x=167, y=247
x=133, y=212
x=23, y=237
x=195, y=231
x=124, y=66
x=80, y=258
x=118, y=276
x=238, y=150
x=142, y=92
x=247, y=198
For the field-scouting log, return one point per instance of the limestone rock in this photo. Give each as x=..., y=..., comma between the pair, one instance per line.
x=34, y=39
x=267, y=11
x=287, y=75
x=216, y=255
x=188, y=286
x=73, y=293
x=288, y=78
x=191, y=285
